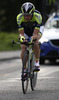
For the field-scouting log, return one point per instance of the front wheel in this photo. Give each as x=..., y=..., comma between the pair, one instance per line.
x=24, y=81
x=33, y=79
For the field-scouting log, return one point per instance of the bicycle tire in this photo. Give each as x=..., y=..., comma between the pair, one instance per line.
x=24, y=82
x=33, y=79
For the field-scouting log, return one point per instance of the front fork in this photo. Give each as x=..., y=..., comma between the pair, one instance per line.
x=30, y=70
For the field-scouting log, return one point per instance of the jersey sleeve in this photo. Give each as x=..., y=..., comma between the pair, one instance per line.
x=19, y=21
x=38, y=18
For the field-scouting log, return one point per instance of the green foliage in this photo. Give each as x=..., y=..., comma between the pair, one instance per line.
x=6, y=41
x=9, y=9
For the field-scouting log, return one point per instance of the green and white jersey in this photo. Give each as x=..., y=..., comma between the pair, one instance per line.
x=29, y=27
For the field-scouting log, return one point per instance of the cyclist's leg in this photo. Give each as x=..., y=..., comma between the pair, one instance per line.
x=36, y=50
x=23, y=48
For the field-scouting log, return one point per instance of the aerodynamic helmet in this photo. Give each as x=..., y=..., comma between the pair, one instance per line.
x=27, y=8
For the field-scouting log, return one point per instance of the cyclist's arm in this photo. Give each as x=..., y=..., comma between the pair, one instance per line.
x=21, y=33
x=19, y=22
x=35, y=34
x=37, y=27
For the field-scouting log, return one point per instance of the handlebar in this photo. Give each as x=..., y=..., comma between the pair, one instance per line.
x=25, y=43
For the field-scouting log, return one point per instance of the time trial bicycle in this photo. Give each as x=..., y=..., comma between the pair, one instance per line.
x=29, y=59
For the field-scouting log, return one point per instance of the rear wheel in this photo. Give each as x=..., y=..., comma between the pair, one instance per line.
x=33, y=79
x=24, y=81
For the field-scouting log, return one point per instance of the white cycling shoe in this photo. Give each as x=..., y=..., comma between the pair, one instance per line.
x=37, y=67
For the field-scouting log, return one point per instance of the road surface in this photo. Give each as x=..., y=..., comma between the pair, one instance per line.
x=47, y=87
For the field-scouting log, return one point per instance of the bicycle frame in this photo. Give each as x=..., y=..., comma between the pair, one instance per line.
x=30, y=72
x=29, y=50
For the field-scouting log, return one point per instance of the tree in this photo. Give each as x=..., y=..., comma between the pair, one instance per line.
x=9, y=9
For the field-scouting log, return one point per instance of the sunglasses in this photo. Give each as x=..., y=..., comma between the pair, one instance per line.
x=26, y=14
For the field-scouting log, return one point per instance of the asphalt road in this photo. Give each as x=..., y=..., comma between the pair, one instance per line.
x=47, y=87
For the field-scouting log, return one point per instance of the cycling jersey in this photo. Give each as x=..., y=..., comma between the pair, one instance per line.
x=29, y=27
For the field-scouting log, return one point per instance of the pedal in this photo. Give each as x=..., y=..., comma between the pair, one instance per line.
x=36, y=70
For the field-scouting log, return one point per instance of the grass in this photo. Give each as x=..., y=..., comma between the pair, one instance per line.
x=6, y=41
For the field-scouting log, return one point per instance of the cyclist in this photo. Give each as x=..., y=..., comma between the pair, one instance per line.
x=29, y=22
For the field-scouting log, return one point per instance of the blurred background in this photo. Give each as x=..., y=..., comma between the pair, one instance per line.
x=9, y=9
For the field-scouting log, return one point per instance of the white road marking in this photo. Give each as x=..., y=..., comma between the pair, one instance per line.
x=48, y=73
x=10, y=80
x=41, y=75
x=19, y=79
x=44, y=77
